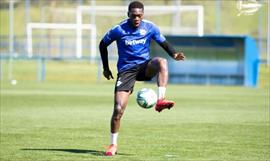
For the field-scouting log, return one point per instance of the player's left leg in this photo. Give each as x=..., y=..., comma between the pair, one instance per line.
x=158, y=66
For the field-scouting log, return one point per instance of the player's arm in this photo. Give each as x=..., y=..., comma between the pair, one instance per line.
x=171, y=51
x=104, y=57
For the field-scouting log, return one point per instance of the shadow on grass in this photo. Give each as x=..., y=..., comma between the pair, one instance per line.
x=78, y=151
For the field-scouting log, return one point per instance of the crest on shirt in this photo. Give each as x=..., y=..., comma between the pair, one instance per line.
x=142, y=32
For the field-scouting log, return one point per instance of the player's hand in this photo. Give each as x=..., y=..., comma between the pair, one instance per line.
x=179, y=56
x=107, y=74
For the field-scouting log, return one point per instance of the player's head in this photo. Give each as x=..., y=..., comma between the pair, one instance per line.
x=135, y=13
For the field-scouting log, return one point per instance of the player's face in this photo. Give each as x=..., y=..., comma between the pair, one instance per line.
x=135, y=15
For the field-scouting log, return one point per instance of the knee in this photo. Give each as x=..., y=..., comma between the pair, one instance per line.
x=162, y=63
x=118, y=112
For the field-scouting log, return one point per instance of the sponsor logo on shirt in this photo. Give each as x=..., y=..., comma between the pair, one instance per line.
x=135, y=42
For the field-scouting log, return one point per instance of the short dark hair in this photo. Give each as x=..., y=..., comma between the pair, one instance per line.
x=135, y=4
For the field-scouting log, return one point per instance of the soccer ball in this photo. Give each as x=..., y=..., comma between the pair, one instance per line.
x=146, y=98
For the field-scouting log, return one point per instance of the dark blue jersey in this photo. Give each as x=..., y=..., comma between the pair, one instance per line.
x=133, y=43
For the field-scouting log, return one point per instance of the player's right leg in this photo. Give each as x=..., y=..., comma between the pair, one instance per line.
x=123, y=88
x=120, y=103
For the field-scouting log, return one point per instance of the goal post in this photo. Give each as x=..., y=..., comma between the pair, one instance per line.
x=64, y=26
x=149, y=11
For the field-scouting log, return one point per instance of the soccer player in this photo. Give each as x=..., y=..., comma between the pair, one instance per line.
x=133, y=37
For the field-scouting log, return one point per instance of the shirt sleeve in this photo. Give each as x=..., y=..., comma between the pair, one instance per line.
x=111, y=35
x=157, y=36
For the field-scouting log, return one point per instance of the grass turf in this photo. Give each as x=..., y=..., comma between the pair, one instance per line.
x=68, y=121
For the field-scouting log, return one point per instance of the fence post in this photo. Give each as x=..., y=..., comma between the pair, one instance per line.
x=61, y=47
x=41, y=69
x=1, y=69
x=99, y=71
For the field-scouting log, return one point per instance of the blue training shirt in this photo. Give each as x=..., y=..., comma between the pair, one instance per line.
x=133, y=43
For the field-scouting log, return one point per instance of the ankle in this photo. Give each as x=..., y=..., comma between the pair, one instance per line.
x=114, y=138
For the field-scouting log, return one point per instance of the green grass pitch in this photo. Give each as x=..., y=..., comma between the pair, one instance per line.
x=68, y=121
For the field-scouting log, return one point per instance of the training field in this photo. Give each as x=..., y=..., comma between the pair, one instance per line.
x=69, y=121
